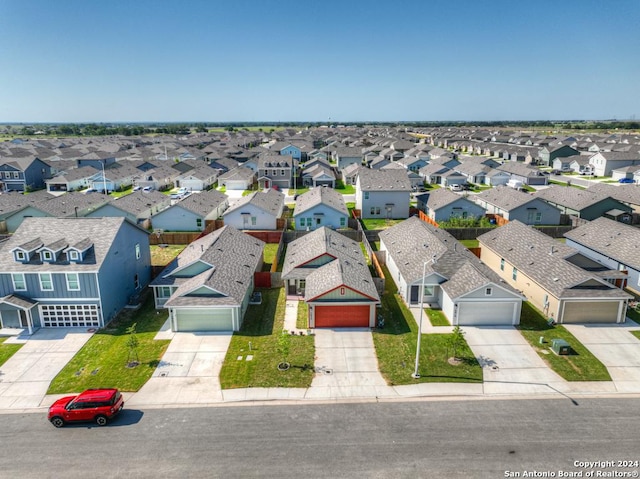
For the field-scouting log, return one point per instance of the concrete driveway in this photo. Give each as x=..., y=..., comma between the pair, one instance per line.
x=616, y=348
x=25, y=377
x=509, y=364
x=188, y=372
x=346, y=365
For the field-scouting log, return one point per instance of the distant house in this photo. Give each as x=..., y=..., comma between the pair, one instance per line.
x=549, y=153
x=71, y=272
x=517, y=205
x=528, y=175
x=23, y=173
x=585, y=204
x=158, y=178
x=318, y=175
x=209, y=285
x=136, y=207
x=565, y=285
x=443, y=205
x=197, y=179
x=350, y=174
x=496, y=178
x=433, y=173
x=72, y=180
x=276, y=171
x=320, y=207
x=329, y=271
x=15, y=207
x=383, y=193
x=192, y=212
x=348, y=155
x=418, y=254
x=116, y=177
x=258, y=211
x=627, y=194
x=612, y=244
x=239, y=178
x=605, y=162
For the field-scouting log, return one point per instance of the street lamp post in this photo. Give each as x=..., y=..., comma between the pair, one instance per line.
x=416, y=374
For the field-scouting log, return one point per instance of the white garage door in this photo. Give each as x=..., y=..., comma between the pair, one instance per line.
x=204, y=319
x=471, y=314
x=590, y=312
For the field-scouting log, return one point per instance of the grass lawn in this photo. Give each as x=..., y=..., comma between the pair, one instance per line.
x=269, y=255
x=298, y=191
x=102, y=361
x=379, y=223
x=302, y=321
x=119, y=194
x=634, y=316
x=7, y=350
x=345, y=189
x=262, y=326
x=437, y=317
x=473, y=243
x=396, y=347
x=162, y=256
x=580, y=366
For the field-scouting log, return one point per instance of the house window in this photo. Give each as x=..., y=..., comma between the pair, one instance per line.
x=281, y=172
x=514, y=274
x=47, y=256
x=253, y=221
x=501, y=264
x=73, y=255
x=199, y=222
x=73, y=282
x=16, y=174
x=428, y=290
x=164, y=292
x=273, y=172
x=137, y=250
x=538, y=217
x=21, y=256
x=366, y=195
x=19, y=284
x=341, y=291
x=46, y=284
x=488, y=291
x=375, y=210
x=136, y=282
x=343, y=221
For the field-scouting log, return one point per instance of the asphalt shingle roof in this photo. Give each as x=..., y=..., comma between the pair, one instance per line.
x=383, y=180
x=317, y=196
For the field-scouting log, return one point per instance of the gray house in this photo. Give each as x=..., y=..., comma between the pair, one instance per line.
x=517, y=205
x=209, y=285
x=23, y=173
x=548, y=154
x=62, y=272
x=383, y=193
x=136, y=207
x=442, y=205
x=348, y=155
x=276, y=171
x=258, y=211
x=585, y=204
x=191, y=213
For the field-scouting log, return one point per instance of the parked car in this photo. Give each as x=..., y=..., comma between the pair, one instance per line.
x=97, y=405
x=455, y=187
x=625, y=180
x=147, y=189
x=181, y=193
x=556, y=172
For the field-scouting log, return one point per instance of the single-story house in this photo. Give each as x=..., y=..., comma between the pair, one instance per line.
x=585, y=204
x=318, y=207
x=517, y=205
x=442, y=205
x=239, y=178
x=192, y=212
x=257, y=211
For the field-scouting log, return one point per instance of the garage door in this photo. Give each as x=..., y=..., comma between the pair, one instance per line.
x=473, y=314
x=204, y=320
x=590, y=312
x=342, y=316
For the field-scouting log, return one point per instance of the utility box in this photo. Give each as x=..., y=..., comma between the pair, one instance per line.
x=560, y=347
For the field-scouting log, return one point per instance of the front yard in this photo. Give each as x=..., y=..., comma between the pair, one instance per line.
x=396, y=347
x=258, y=337
x=165, y=254
x=269, y=255
x=7, y=350
x=579, y=366
x=379, y=223
x=102, y=361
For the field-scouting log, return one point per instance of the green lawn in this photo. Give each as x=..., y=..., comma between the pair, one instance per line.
x=262, y=325
x=472, y=243
x=302, y=321
x=379, y=223
x=125, y=192
x=344, y=189
x=437, y=317
x=396, y=347
x=269, y=255
x=162, y=256
x=580, y=366
x=7, y=350
x=102, y=361
x=299, y=191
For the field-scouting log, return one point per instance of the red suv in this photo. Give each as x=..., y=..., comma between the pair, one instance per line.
x=97, y=405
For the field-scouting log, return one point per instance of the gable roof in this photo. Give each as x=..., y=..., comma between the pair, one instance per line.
x=270, y=201
x=504, y=197
x=321, y=195
x=383, y=180
x=442, y=197
x=573, y=198
x=202, y=203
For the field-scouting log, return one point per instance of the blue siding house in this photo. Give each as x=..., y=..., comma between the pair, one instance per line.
x=23, y=174
x=71, y=272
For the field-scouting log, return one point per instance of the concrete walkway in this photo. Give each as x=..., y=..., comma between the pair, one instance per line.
x=26, y=376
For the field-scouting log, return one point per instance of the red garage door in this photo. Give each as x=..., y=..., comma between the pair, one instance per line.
x=342, y=316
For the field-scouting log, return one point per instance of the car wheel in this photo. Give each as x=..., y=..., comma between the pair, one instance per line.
x=57, y=421
x=101, y=420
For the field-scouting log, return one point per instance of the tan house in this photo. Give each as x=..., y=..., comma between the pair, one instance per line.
x=557, y=279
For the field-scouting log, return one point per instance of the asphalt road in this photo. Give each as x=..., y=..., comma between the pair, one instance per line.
x=443, y=439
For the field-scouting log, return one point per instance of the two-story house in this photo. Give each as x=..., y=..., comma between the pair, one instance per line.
x=66, y=272
x=23, y=173
x=383, y=193
x=276, y=171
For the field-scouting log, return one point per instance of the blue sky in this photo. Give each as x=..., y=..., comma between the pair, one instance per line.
x=348, y=60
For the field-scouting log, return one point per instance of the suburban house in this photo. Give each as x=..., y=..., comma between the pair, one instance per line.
x=318, y=175
x=604, y=162
x=136, y=207
x=71, y=272
x=15, y=207
x=258, y=211
x=548, y=154
x=72, y=180
x=348, y=155
x=627, y=194
x=412, y=163
x=209, y=285
x=585, y=204
x=565, y=285
x=239, y=178
x=116, y=177
x=276, y=171
x=350, y=174
x=330, y=273
x=443, y=205
x=320, y=207
x=158, y=178
x=198, y=179
x=528, y=175
x=496, y=178
x=23, y=173
x=191, y=213
x=383, y=193
x=433, y=172
x=419, y=254
x=512, y=205
x=614, y=245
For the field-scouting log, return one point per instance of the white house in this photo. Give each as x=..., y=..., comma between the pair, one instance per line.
x=258, y=211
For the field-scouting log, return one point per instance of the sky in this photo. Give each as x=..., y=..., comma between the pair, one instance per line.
x=326, y=60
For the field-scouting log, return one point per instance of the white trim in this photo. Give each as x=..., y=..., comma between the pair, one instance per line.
x=69, y=315
x=66, y=276
x=50, y=280
x=47, y=300
x=24, y=281
x=100, y=300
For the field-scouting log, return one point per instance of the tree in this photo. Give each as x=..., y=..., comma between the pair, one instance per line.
x=132, y=344
x=284, y=346
x=456, y=340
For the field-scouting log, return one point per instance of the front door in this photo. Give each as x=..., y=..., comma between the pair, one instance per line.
x=24, y=322
x=267, y=184
x=414, y=294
